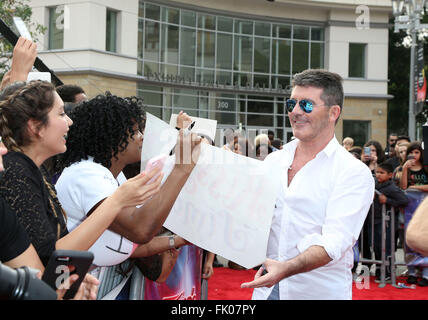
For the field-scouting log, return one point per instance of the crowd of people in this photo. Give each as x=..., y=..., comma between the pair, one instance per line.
x=397, y=168
x=71, y=180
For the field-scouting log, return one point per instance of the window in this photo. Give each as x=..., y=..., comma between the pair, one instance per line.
x=111, y=31
x=56, y=28
x=358, y=130
x=357, y=60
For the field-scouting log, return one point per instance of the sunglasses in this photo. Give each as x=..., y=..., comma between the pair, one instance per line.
x=306, y=105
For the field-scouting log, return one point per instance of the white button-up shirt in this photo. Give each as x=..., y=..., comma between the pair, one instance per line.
x=325, y=205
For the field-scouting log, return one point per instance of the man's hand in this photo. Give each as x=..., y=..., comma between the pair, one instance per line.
x=274, y=275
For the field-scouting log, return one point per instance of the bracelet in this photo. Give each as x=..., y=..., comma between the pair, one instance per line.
x=171, y=241
x=178, y=128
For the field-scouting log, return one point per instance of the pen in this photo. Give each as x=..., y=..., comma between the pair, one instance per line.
x=188, y=129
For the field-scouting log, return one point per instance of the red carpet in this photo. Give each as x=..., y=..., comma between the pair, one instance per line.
x=225, y=285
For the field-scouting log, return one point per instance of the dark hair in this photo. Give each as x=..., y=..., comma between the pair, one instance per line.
x=32, y=101
x=67, y=92
x=403, y=138
x=11, y=88
x=416, y=146
x=356, y=152
x=386, y=166
x=379, y=150
x=277, y=143
x=101, y=128
x=329, y=82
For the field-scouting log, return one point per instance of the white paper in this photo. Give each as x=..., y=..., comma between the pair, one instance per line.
x=227, y=203
x=159, y=138
x=44, y=76
x=203, y=126
x=226, y=206
x=22, y=28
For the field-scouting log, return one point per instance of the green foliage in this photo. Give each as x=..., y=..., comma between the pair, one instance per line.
x=8, y=10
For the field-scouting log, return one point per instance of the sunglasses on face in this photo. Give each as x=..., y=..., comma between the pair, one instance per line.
x=306, y=105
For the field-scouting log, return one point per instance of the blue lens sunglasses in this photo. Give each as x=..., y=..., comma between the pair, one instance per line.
x=306, y=105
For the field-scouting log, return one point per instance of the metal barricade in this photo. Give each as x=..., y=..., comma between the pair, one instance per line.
x=388, y=217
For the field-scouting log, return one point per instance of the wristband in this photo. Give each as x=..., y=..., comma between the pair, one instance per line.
x=171, y=241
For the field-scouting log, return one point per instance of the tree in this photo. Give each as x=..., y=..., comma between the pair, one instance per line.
x=8, y=10
x=399, y=72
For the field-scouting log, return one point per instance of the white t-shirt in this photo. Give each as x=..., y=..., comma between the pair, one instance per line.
x=80, y=187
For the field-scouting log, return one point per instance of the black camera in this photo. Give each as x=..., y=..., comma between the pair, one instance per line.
x=22, y=284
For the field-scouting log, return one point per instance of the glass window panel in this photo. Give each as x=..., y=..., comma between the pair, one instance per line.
x=150, y=68
x=262, y=29
x=242, y=79
x=242, y=119
x=170, y=15
x=224, y=77
x=300, y=32
x=224, y=50
x=279, y=121
x=169, y=48
x=300, y=56
x=156, y=111
x=188, y=73
x=203, y=101
x=152, y=95
x=225, y=118
x=261, y=55
x=152, y=31
x=243, y=53
x=281, y=52
x=261, y=81
x=225, y=102
x=206, y=49
x=280, y=82
x=225, y=24
x=259, y=120
x=283, y=31
x=357, y=57
x=188, y=18
x=287, y=122
x=187, y=48
x=141, y=9
x=358, y=130
x=206, y=22
x=152, y=11
x=208, y=76
x=169, y=69
x=260, y=106
x=242, y=105
x=185, y=99
x=317, y=34
x=111, y=31
x=243, y=26
x=140, y=38
x=56, y=28
x=140, y=67
x=317, y=55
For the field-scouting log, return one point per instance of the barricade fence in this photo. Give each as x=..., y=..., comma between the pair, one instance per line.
x=390, y=224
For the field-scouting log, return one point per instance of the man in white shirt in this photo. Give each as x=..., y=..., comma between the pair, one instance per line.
x=322, y=203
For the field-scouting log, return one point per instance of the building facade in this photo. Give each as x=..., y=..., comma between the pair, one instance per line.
x=226, y=60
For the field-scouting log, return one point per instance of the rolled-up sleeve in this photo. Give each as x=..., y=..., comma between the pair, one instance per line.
x=346, y=210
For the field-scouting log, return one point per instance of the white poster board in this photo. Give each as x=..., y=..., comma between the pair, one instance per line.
x=203, y=126
x=227, y=203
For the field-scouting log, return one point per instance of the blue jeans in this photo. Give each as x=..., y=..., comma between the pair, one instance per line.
x=412, y=271
x=274, y=295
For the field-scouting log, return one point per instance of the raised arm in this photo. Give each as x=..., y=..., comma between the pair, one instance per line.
x=140, y=225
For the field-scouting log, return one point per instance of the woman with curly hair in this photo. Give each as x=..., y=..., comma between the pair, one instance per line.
x=375, y=157
x=107, y=136
x=34, y=127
